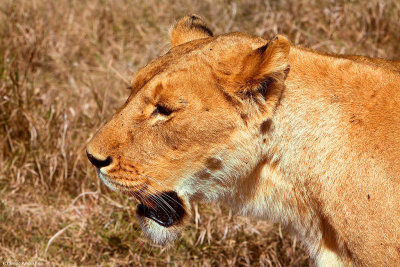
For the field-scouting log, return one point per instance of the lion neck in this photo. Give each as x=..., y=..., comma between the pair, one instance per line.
x=315, y=153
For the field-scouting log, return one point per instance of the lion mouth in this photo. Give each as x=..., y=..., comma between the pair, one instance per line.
x=167, y=209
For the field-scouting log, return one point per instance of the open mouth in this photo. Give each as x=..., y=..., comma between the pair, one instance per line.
x=167, y=209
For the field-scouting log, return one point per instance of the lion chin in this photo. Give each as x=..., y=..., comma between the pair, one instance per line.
x=163, y=220
x=157, y=233
x=162, y=217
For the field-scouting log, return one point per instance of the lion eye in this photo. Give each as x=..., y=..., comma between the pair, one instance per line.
x=162, y=110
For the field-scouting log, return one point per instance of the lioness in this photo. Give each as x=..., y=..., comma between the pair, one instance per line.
x=308, y=140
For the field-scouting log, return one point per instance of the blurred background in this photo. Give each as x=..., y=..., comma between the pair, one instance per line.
x=64, y=69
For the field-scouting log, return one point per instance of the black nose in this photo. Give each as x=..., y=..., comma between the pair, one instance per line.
x=98, y=162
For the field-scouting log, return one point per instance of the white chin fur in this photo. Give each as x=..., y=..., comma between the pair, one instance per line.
x=158, y=234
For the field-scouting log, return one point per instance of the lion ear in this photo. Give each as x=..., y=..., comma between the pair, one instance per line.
x=269, y=67
x=273, y=59
x=189, y=28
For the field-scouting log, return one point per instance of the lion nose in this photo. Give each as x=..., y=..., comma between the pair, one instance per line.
x=98, y=162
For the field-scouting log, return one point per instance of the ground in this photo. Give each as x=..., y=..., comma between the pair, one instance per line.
x=64, y=69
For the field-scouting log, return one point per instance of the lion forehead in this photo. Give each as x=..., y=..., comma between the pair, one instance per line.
x=208, y=52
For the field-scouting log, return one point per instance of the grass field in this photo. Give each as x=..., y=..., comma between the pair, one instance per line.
x=64, y=70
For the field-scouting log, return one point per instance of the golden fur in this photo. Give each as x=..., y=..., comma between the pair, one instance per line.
x=308, y=140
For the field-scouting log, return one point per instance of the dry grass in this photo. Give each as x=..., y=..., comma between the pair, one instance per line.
x=64, y=67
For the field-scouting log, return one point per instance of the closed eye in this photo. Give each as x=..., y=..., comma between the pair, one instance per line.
x=162, y=110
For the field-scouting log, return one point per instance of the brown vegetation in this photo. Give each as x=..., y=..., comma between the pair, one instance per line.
x=64, y=67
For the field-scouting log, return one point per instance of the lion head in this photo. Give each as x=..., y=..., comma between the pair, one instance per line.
x=193, y=126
